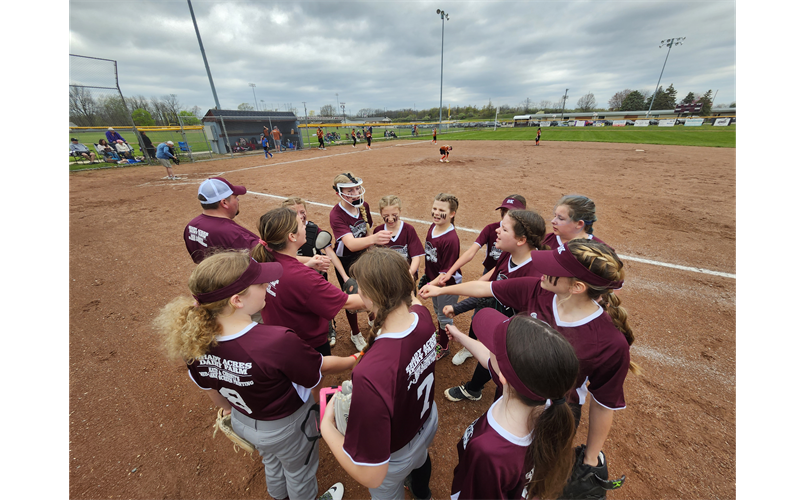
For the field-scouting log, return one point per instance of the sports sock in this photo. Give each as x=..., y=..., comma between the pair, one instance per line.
x=353, y=323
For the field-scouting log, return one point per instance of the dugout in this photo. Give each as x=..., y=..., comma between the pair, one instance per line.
x=220, y=124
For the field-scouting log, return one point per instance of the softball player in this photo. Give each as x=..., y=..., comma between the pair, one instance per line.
x=539, y=134
x=405, y=241
x=354, y=139
x=350, y=221
x=434, y=136
x=519, y=234
x=445, y=152
x=522, y=446
x=264, y=143
x=302, y=299
x=442, y=248
x=233, y=359
x=393, y=417
x=575, y=297
x=368, y=136
x=320, y=136
x=573, y=217
x=309, y=250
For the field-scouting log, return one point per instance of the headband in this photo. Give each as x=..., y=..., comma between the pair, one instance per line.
x=255, y=273
x=561, y=262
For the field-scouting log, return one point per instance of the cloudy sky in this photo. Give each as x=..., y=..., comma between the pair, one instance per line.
x=386, y=54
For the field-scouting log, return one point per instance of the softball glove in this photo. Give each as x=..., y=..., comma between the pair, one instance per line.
x=341, y=406
x=224, y=424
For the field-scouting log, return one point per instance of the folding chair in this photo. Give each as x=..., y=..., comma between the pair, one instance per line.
x=112, y=157
x=185, y=148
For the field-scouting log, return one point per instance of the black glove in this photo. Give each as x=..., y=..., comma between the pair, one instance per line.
x=422, y=282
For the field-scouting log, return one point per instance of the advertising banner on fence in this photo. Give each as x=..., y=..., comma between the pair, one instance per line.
x=721, y=122
x=544, y=124
x=599, y=124
x=619, y=123
x=694, y=122
x=667, y=123
x=579, y=123
x=641, y=123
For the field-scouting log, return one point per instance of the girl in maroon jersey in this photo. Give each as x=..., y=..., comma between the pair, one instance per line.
x=575, y=296
x=573, y=218
x=404, y=239
x=351, y=221
x=302, y=299
x=392, y=417
x=234, y=360
x=522, y=447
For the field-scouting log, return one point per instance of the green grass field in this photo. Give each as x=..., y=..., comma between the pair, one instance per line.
x=703, y=136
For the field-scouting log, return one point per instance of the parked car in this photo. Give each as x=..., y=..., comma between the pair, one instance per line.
x=554, y=124
x=654, y=122
x=629, y=122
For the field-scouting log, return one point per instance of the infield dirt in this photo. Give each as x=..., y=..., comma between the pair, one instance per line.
x=139, y=428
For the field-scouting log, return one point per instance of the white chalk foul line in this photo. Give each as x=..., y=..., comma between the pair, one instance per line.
x=476, y=231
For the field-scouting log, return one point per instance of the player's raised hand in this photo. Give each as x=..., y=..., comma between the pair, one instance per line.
x=449, y=312
x=382, y=237
x=454, y=333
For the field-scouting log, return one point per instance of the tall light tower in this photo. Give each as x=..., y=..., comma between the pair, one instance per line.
x=669, y=43
x=344, y=112
x=255, y=96
x=444, y=16
x=564, y=100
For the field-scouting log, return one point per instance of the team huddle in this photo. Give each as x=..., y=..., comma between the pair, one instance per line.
x=547, y=329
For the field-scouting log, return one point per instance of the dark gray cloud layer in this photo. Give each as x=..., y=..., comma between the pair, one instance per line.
x=386, y=54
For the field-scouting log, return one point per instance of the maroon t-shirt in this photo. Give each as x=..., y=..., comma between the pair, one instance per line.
x=343, y=223
x=247, y=370
x=206, y=232
x=506, y=269
x=302, y=300
x=441, y=252
x=392, y=392
x=491, y=461
x=602, y=349
x=487, y=238
x=406, y=242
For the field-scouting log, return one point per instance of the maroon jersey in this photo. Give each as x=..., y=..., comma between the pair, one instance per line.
x=405, y=242
x=487, y=238
x=303, y=300
x=247, y=370
x=491, y=461
x=506, y=269
x=441, y=252
x=554, y=241
x=602, y=349
x=343, y=223
x=392, y=392
x=206, y=232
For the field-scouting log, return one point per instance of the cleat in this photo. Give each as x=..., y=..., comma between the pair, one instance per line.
x=460, y=393
x=461, y=356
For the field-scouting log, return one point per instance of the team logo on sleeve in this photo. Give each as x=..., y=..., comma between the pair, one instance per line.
x=358, y=229
x=430, y=252
x=468, y=434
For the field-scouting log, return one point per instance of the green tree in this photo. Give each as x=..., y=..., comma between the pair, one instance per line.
x=633, y=102
x=670, y=96
x=707, y=103
x=615, y=102
x=244, y=106
x=586, y=102
x=689, y=99
x=188, y=118
x=142, y=117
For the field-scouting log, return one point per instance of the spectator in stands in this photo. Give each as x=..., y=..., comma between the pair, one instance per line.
x=109, y=153
x=123, y=149
x=77, y=149
x=112, y=136
x=149, y=146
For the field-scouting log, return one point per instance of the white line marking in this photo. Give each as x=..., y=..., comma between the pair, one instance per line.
x=476, y=231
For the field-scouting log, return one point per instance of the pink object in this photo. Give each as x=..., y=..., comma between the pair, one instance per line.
x=327, y=391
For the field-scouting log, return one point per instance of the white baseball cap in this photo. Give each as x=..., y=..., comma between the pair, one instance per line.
x=216, y=189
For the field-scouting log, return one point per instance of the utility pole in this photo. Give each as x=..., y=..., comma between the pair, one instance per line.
x=307, y=129
x=564, y=100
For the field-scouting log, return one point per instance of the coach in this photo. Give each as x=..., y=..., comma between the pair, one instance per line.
x=164, y=156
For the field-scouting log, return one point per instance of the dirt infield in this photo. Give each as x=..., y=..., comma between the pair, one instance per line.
x=139, y=428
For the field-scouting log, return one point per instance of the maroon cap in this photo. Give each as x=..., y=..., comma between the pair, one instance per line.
x=561, y=262
x=511, y=204
x=257, y=272
x=491, y=327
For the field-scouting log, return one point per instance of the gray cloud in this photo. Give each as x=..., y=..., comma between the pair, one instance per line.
x=386, y=54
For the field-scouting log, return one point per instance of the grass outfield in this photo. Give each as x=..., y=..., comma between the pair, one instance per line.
x=705, y=135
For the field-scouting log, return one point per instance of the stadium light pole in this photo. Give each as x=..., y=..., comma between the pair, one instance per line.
x=256, y=107
x=344, y=113
x=669, y=43
x=204, y=55
x=444, y=16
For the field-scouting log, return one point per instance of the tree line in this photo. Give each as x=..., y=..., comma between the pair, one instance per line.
x=88, y=109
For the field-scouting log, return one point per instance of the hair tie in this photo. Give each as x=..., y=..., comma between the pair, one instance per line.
x=557, y=402
x=265, y=245
x=195, y=303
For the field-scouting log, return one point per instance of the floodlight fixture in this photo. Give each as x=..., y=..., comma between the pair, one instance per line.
x=669, y=42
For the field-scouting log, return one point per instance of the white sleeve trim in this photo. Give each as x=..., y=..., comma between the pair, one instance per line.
x=605, y=406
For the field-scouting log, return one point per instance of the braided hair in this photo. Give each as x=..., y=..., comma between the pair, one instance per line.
x=347, y=178
x=530, y=225
x=580, y=208
x=603, y=261
x=383, y=277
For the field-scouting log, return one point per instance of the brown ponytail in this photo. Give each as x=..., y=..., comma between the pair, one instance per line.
x=275, y=226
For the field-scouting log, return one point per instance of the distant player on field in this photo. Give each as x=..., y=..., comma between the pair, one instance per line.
x=445, y=152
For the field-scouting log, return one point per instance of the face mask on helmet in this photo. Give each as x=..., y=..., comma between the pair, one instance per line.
x=354, y=182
